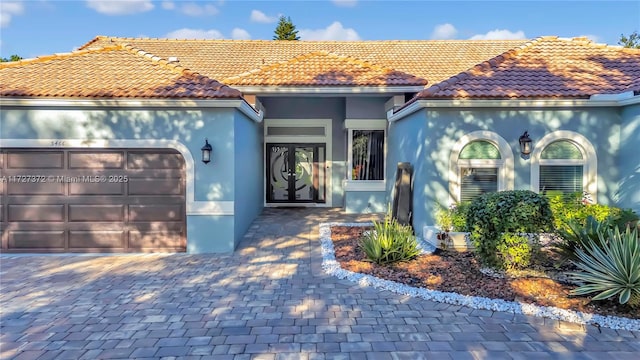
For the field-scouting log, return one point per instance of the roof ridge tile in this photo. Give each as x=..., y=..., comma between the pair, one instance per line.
x=309, y=55
x=59, y=56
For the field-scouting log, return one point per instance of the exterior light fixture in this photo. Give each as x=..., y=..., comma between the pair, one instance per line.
x=525, y=144
x=206, y=152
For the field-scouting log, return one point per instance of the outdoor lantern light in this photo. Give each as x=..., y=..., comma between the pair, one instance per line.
x=525, y=144
x=206, y=152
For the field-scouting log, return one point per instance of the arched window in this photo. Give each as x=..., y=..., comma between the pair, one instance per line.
x=565, y=162
x=478, y=173
x=481, y=162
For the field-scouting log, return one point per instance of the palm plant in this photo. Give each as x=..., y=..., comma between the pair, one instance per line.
x=610, y=268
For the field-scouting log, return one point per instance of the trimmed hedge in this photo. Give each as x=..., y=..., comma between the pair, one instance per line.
x=497, y=222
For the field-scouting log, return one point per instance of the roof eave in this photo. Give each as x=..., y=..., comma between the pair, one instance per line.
x=133, y=103
x=326, y=90
x=596, y=101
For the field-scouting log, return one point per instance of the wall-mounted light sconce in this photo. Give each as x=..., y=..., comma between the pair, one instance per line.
x=525, y=144
x=206, y=151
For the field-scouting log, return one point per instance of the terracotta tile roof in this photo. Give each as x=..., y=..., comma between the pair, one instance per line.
x=432, y=60
x=547, y=67
x=321, y=68
x=115, y=71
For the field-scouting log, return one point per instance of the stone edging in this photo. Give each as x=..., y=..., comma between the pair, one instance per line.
x=332, y=267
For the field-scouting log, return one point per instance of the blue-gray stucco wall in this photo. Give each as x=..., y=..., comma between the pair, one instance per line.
x=629, y=158
x=249, y=173
x=426, y=137
x=213, y=182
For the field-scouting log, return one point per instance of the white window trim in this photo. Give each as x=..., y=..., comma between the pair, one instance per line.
x=589, y=160
x=504, y=164
x=363, y=124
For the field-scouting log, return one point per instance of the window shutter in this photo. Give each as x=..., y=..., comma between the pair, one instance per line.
x=477, y=181
x=562, y=149
x=564, y=178
x=479, y=150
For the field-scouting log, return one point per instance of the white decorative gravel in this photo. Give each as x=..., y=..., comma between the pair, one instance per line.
x=332, y=267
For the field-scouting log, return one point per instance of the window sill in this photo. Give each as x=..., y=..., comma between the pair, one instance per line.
x=364, y=185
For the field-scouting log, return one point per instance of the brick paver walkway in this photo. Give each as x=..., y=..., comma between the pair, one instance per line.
x=269, y=300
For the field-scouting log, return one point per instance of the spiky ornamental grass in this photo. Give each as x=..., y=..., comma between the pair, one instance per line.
x=389, y=242
x=610, y=268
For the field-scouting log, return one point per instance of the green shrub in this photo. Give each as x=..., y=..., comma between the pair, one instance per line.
x=459, y=216
x=576, y=236
x=610, y=270
x=515, y=251
x=516, y=211
x=453, y=218
x=444, y=218
x=389, y=242
x=570, y=208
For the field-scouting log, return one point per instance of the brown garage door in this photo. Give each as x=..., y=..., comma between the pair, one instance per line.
x=79, y=200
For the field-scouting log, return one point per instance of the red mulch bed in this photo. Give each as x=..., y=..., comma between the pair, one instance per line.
x=459, y=272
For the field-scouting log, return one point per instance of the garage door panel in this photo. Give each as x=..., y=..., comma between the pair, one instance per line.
x=78, y=213
x=151, y=186
x=169, y=212
x=36, y=239
x=156, y=239
x=96, y=188
x=36, y=212
x=141, y=160
x=96, y=239
x=96, y=160
x=35, y=160
x=28, y=188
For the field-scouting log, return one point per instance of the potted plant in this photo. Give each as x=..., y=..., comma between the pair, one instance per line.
x=452, y=223
x=444, y=221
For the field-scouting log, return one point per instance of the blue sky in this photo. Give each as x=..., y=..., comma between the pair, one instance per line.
x=40, y=27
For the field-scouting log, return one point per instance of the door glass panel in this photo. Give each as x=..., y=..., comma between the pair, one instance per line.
x=296, y=173
x=304, y=173
x=321, y=174
x=279, y=173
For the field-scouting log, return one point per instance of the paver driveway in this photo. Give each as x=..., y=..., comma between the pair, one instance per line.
x=269, y=300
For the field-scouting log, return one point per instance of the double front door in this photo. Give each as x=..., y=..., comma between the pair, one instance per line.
x=296, y=173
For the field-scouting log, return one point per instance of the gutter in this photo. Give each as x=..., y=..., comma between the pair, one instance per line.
x=326, y=90
x=598, y=100
x=239, y=104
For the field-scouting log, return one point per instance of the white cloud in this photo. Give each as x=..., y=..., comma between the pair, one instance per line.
x=8, y=10
x=114, y=7
x=240, y=34
x=195, y=34
x=444, y=32
x=168, y=5
x=260, y=17
x=345, y=3
x=334, y=31
x=193, y=9
x=500, y=35
x=594, y=38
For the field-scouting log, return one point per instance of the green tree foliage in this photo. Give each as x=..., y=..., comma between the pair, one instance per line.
x=13, y=57
x=632, y=41
x=285, y=30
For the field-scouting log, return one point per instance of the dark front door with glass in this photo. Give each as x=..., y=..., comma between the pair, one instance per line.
x=295, y=173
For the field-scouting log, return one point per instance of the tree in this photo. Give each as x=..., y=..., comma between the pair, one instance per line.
x=633, y=41
x=13, y=57
x=285, y=30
